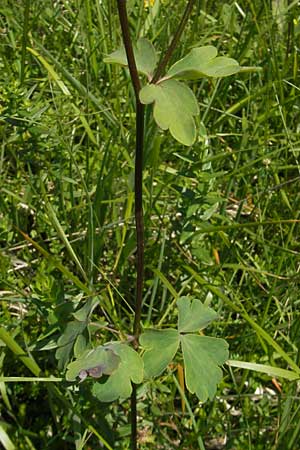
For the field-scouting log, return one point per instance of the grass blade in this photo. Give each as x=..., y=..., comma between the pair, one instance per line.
x=269, y=370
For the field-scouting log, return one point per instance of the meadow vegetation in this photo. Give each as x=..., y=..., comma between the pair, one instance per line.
x=221, y=223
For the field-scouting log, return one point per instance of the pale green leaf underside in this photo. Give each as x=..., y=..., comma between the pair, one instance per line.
x=202, y=355
x=174, y=108
x=193, y=315
x=102, y=356
x=118, y=384
x=144, y=53
x=161, y=347
x=203, y=62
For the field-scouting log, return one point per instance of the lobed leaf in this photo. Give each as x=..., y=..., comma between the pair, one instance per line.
x=203, y=62
x=161, y=347
x=101, y=360
x=174, y=108
x=193, y=315
x=129, y=370
x=144, y=53
x=202, y=357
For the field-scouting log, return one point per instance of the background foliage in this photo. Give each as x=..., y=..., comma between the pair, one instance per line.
x=221, y=220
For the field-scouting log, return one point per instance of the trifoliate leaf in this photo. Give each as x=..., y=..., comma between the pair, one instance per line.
x=100, y=360
x=161, y=347
x=174, y=108
x=144, y=53
x=203, y=62
x=118, y=384
x=202, y=357
x=67, y=340
x=193, y=315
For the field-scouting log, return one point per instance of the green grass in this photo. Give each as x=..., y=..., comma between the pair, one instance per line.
x=221, y=220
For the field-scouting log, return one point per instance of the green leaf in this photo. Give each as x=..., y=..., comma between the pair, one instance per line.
x=118, y=384
x=144, y=53
x=193, y=315
x=174, y=108
x=161, y=347
x=67, y=340
x=81, y=344
x=202, y=357
x=203, y=62
x=5, y=439
x=85, y=311
x=101, y=360
x=263, y=368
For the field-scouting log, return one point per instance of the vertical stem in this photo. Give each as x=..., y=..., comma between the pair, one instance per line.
x=139, y=218
x=133, y=412
x=139, y=224
x=138, y=187
x=138, y=190
x=128, y=48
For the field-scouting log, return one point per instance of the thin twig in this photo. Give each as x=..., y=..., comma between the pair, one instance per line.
x=128, y=48
x=166, y=58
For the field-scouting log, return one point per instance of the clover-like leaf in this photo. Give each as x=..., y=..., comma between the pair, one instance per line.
x=203, y=62
x=202, y=357
x=100, y=360
x=174, y=108
x=144, y=53
x=193, y=315
x=161, y=347
x=118, y=384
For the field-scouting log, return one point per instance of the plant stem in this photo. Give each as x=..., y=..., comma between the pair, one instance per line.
x=166, y=58
x=128, y=48
x=138, y=187
x=138, y=190
x=139, y=219
x=139, y=144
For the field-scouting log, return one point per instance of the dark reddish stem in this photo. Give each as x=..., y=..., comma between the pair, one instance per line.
x=138, y=189
x=166, y=58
